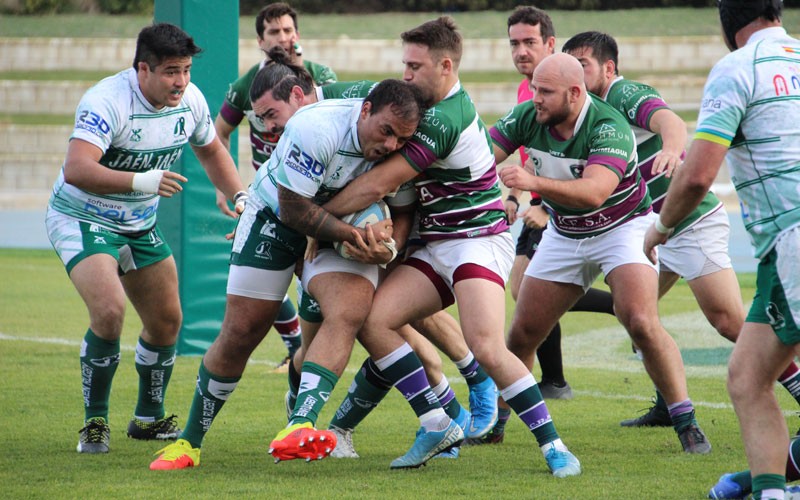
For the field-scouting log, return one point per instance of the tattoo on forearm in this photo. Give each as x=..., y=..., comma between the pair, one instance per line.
x=303, y=215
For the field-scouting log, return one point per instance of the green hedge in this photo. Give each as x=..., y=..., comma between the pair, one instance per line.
x=251, y=7
x=126, y=6
x=116, y=7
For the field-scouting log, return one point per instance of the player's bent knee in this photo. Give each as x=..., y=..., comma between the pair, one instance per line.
x=642, y=327
x=107, y=321
x=727, y=326
x=489, y=354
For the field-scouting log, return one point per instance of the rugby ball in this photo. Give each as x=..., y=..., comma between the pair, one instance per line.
x=374, y=213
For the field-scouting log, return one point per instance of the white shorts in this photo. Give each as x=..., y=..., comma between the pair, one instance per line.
x=262, y=284
x=700, y=249
x=328, y=261
x=494, y=253
x=580, y=261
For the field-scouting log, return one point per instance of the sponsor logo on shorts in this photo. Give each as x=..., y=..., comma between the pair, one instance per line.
x=263, y=250
x=268, y=230
x=154, y=239
x=776, y=319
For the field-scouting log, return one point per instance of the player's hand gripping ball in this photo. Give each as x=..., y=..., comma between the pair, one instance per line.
x=373, y=214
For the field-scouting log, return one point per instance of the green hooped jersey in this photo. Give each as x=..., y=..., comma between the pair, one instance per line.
x=601, y=137
x=134, y=137
x=637, y=102
x=751, y=104
x=237, y=106
x=457, y=186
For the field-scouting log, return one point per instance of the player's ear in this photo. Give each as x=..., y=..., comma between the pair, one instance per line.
x=610, y=68
x=296, y=95
x=366, y=109
x=575, y=92
x=447, y=65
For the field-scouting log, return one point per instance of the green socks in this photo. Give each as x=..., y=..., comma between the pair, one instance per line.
x=99, y=361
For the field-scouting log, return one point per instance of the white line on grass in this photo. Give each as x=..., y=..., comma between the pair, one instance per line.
x=603, y=349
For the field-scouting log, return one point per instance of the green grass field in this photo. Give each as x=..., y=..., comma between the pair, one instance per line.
x=42, y=321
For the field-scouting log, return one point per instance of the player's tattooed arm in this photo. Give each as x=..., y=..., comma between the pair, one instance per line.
x=303, y=215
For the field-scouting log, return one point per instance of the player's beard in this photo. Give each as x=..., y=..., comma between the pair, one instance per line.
x=554, y=116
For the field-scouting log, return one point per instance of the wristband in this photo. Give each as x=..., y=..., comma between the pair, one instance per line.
x=661, y=228
x=392, y=246
x=513, y=199
x=240, y=200
x=147, y=182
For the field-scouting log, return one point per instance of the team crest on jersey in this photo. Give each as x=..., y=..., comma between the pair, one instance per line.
x=576, y=171
x=136, y=135
x=180, y=127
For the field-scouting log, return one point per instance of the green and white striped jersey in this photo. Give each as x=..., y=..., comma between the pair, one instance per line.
x=134, y=137
x=751, y=104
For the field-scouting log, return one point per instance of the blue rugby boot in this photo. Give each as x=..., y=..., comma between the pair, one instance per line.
x=562, y=463
x=429, y=444
x=483, y=406
x=727, y=488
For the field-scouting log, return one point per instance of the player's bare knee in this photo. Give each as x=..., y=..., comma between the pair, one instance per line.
x=642, y=327
x=524, y=337
x=107, y=321
x=727, y=326
x=489, y=356
x=737, y=384
x=241, y=333
x=168, y=326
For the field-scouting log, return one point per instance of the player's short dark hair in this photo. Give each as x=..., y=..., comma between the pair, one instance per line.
x=404, y=99
x=274, y=11
x=279, y=75
x=528, y=14
x=604, y=47
x=440, y=36
x=161, y=41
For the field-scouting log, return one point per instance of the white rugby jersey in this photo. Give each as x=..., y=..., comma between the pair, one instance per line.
x=317, y=155
x=751, y=104
x=134, y=137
